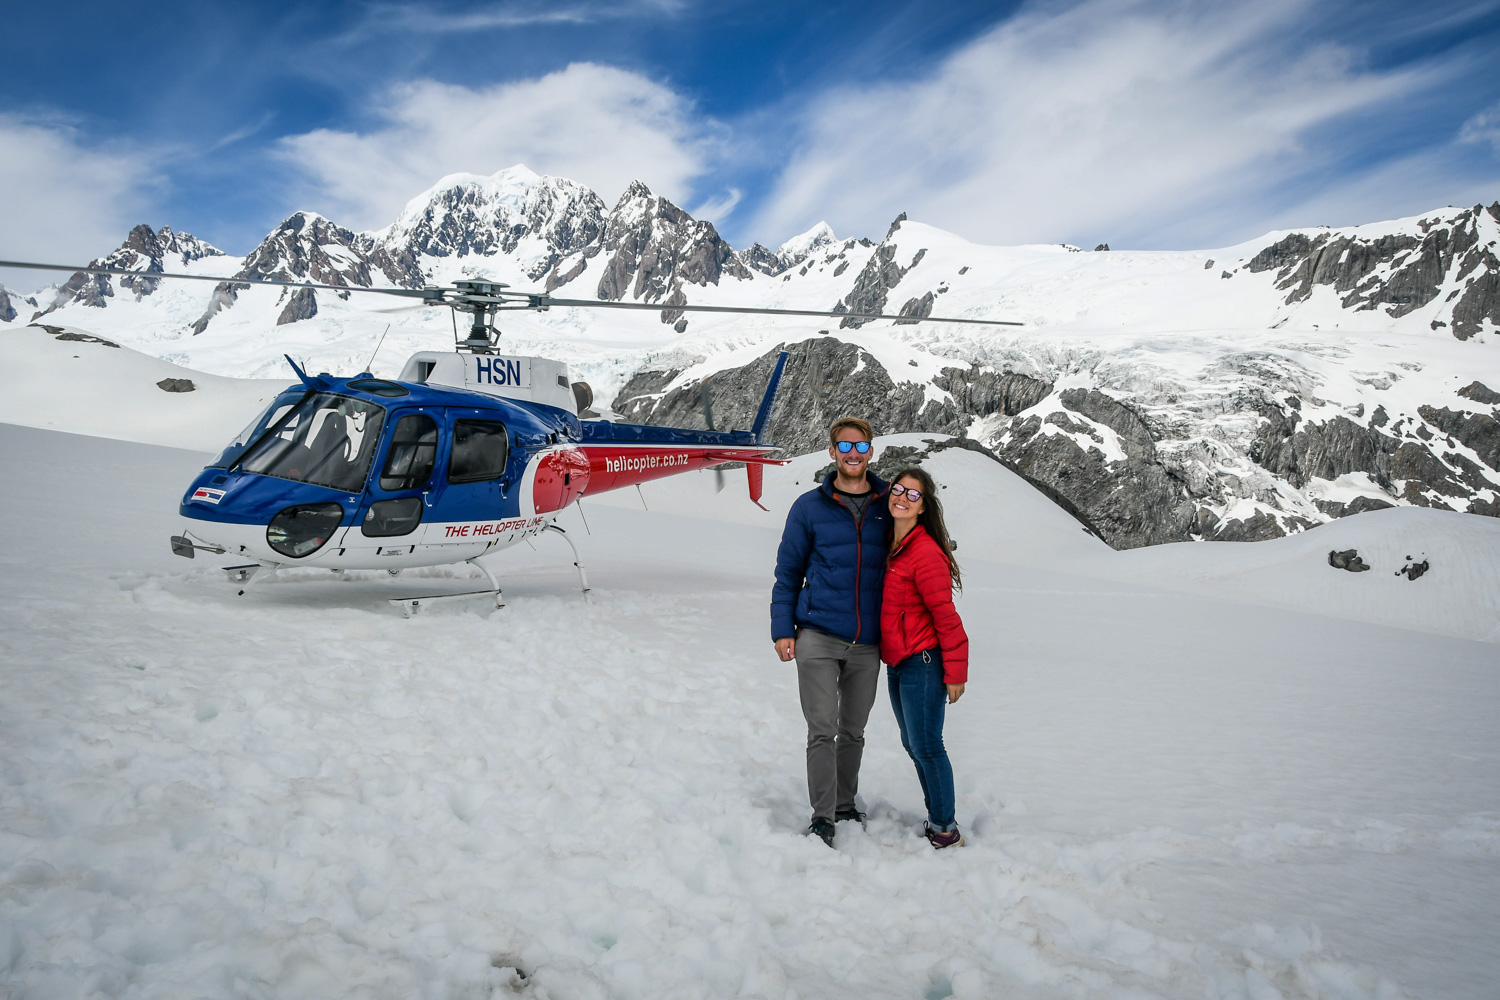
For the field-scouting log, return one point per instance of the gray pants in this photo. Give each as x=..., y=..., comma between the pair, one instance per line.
x=837, y=681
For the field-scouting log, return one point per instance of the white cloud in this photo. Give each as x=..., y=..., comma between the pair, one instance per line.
x=1483, y=127
x=62, y=202
x=1108, y=119
x=598, y=125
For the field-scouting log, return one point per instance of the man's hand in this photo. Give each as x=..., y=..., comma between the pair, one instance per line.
x=955, y=692
x=786, y=649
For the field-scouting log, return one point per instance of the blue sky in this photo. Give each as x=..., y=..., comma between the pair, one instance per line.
x=1147, y=125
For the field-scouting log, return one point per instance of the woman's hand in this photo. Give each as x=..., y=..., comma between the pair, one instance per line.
x=955, y=692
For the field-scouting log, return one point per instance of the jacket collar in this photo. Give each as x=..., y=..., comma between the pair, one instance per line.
x=878, y=486
x=911, y=536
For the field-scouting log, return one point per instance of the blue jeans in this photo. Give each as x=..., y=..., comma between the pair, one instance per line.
x=920, y=698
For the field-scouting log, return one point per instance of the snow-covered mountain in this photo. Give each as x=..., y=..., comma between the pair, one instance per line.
x=1236, y=393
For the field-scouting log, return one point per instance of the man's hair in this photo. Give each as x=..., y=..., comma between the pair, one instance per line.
x=844, y=423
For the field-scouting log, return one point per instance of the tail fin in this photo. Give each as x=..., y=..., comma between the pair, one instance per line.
x=757, y=474
x=763, y=415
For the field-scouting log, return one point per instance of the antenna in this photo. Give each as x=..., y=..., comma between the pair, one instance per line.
x=370, y=365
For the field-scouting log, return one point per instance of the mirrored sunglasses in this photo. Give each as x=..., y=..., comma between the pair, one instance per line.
x=845, y=447
x=908, y=492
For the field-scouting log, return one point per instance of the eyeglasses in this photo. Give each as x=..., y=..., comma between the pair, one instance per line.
x=908, y=492
x=845, y=447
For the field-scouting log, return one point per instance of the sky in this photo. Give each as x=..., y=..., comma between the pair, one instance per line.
x=1139, y=123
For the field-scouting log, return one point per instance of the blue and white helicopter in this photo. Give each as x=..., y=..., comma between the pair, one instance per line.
x=466, y=452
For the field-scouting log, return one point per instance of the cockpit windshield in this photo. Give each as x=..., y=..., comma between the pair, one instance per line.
x=274, y=411
x=325, y=439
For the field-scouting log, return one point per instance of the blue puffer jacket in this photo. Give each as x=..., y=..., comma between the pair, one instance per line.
x=828, y=575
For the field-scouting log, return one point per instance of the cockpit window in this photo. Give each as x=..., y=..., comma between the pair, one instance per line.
x=273, y=412
x=326, y=440
x=412, y=454
x=480, y=449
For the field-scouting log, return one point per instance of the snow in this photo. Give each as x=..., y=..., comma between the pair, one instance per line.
x=1213, y=770
x=803, y=244
x=88, y=387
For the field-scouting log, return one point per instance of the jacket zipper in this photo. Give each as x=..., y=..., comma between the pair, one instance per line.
x=859, y=551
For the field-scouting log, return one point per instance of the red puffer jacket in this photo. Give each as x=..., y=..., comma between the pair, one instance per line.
x=917, y=611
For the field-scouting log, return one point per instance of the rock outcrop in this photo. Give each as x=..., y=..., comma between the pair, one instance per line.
x=301, y=304
x=1120, y=465
x=1399, y=272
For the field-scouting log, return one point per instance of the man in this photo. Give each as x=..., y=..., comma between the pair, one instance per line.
x=825, y=614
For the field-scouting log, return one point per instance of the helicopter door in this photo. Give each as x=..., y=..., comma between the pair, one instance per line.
x=474, y=496
x=395, y=506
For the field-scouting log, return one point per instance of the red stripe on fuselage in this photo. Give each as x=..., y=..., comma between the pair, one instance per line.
x=612, y=466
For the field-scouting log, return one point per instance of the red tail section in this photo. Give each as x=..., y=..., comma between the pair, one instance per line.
x=757, y=474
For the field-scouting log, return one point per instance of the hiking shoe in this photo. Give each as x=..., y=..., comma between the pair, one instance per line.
x=939, y=840
x=823, y=829
x=849, y=814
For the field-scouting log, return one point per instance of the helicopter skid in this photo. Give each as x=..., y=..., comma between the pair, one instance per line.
x=410, y=606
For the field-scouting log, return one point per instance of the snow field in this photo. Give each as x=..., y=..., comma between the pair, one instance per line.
x=300, y=794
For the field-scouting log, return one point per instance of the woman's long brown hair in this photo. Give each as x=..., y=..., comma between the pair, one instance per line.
x=931, y=517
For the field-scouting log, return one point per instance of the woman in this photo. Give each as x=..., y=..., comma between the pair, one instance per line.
x=923, y=642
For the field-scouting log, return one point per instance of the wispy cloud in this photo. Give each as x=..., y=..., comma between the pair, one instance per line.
x=718, y=208
x=383, y=18
x=65, y=201
x=598, y=125
x=244, y=132
x=1111, y=119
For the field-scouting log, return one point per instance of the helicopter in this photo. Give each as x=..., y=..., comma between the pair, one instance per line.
x=465, y=452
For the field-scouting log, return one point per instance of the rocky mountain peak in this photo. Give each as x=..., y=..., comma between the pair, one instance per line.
x=145, y=250
x=791, y=253
x=308, y=247
x=661, y=247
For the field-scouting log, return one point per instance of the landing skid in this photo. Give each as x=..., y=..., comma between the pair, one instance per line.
x=412, y=605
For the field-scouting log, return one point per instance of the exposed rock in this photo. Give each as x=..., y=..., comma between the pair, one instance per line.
x=1101, y=247
x=1102, y=409
x=1399, y=271
x=881, y=274
x=224, y=296
x=1413, y=570
x=758, y=258
x=983, y=392
x=176, y=385
x=77, y=338
x=919, y=308
x=303, y=304
x=7, y=308
x=1358, y=505
x=1348, y=559
x=1480, y=393
x=1259, y=527
x=825, y=378
x=1479, y=431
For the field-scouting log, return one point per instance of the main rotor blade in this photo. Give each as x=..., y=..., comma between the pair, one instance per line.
x=547, y=300
x=451, y=296
x=408, y=292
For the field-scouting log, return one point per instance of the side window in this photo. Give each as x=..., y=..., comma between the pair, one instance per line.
x=480, y=449
x=413, y=452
